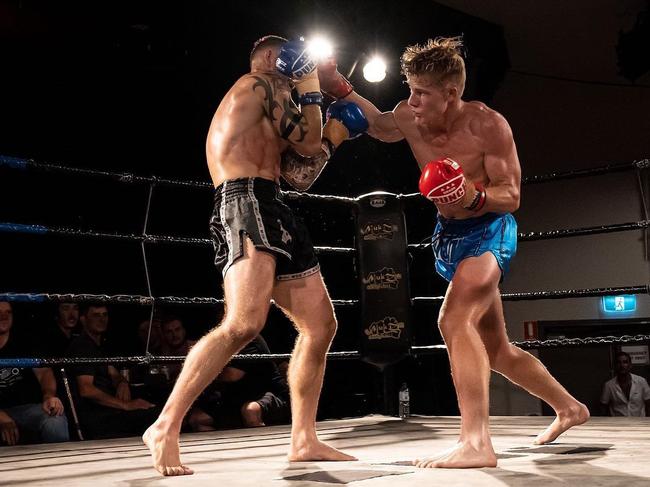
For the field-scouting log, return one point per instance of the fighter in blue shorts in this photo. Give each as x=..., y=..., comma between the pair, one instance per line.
x=455, y=240
x=470, y=170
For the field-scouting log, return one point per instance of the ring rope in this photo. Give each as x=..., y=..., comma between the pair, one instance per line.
x=560, y=294
x=146, y=300
x=129, y=178
x=146, y=268
x=152, y=359
x=127, y=299
x=563, y=233
x=19, y=163
x=147, y=238
x=144, y=238
x=549, y=343
x=342, y=355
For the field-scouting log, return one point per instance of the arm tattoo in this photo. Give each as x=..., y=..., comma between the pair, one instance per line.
x=290, y=117
x=301, y=171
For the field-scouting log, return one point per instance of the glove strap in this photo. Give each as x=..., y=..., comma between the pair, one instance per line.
x=342, y=88
x=311, y=98
x=480, y=196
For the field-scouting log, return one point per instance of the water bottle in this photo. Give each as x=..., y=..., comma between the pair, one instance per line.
x=404, y=401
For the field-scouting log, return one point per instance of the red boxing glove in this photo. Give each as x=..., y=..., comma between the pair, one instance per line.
x=442, y=181
x=332, y=82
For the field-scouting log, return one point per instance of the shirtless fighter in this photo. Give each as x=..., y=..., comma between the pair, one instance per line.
x=257, y=135
x=471, y=171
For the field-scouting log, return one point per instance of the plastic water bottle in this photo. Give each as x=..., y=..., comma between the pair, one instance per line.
x=404, y=401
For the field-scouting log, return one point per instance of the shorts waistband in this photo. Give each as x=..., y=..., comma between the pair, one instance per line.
x=468, y=222
x=261, y=187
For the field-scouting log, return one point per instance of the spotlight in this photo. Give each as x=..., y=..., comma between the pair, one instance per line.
x=375, y=70
x=319, y=47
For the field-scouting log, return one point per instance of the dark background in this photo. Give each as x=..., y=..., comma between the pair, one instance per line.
x=131, y=86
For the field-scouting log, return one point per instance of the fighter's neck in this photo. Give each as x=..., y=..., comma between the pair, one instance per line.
x=446, y=122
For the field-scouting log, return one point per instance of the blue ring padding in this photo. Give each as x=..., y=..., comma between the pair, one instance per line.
x=23, y=363
x=13, y=162
x=23, y=298
x=20, y=228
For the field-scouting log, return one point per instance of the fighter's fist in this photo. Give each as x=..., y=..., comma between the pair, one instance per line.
x=350, y=115
x=332, y=82
x=294, y=60
x=442, y=181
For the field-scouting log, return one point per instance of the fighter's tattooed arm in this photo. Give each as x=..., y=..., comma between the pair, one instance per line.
x=281, y=110
x=301, y=171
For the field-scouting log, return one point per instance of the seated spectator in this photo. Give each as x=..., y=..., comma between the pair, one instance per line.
x=106, y=408
x=249, y=393
x=56, y=338
x=153, y=337
x=626, y=394
x=174, y=342
x=28, y=401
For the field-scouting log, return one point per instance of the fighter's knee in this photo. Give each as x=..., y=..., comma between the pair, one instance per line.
x=242, y=333
x=322, y=332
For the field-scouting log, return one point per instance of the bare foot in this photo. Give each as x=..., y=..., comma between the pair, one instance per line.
x=165, y=451
x=575, y=415
x=317, y=451
x=463, y=455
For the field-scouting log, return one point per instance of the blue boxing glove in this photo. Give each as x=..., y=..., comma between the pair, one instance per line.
x=294, y=60
x=350, y=115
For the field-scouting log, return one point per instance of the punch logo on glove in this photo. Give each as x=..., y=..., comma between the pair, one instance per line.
x=294, y=60
x=442, y=181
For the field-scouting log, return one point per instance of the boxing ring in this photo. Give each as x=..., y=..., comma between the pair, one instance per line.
x=605, y=451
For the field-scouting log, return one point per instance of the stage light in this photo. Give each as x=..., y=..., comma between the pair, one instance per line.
x=320, y=47
x=374, y=70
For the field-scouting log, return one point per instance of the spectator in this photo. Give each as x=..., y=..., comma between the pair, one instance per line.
x=251, y=393
x=56, y=339
x=174, y=342
x=28, y=401
x=106, y=408
x=626, y=394
x=153, y=338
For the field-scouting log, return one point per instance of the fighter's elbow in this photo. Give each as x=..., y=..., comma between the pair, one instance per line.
x=514, y=200
x=309, y=148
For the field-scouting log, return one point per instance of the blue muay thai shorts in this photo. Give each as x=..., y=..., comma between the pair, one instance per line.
x=455, y=240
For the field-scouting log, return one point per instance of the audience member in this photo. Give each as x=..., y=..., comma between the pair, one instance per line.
x=106, y=408
x=626, y=394
x=174, y=342
x=28, y=400
x=249, y=393
x=56, y=338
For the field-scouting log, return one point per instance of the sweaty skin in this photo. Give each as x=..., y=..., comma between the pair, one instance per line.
x=475, y=136
x=243, y=140
x=436, y=123
x=254, y=124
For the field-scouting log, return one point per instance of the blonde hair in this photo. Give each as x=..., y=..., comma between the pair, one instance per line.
x=440, y=58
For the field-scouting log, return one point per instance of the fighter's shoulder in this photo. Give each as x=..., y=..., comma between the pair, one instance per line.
x=262, y=84
x=403, y=115
x=486, y=122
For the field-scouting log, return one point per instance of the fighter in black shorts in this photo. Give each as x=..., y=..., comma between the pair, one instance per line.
x=253, y=208
x=257, y=135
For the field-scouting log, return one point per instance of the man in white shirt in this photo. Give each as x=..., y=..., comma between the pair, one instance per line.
x=626, y=394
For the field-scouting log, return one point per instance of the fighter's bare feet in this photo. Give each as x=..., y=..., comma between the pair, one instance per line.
x=317, y=451
x=165, y=452
x=463, y=455
x=575, y=415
